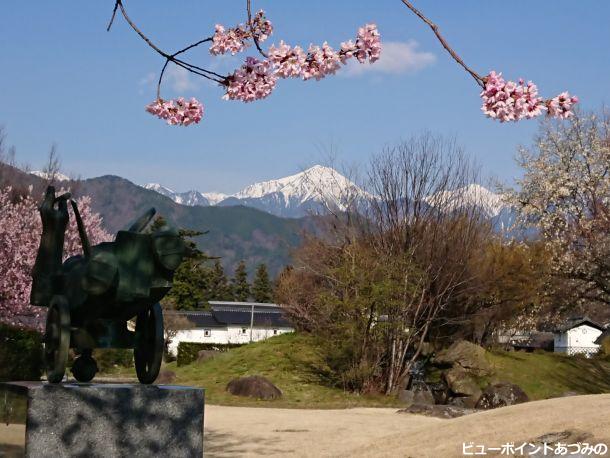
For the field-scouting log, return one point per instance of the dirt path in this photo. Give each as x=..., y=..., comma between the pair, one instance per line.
x=243, y=431
x=247, y=431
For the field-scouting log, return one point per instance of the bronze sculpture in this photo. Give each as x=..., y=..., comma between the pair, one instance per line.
x=91, y=297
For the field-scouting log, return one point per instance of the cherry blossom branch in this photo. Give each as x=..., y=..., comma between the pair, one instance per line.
x=169, y=57
x=507, y=100
x=480, y=80
x=256, y=79
x=252, y=31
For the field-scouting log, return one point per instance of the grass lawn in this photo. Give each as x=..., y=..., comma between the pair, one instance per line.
x=545, y=375
x=290, y=361
x=294, y=364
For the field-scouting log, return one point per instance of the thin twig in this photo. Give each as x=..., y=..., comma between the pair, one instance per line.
x=480, y=81
x=168, y=60
x=116, y=5
x=170, y=57
x=254, y=37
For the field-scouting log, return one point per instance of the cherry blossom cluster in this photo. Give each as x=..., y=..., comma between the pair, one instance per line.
x=254, y=80
x=234, y=40
x=510, y=101
x=561, y=105
x=178, y=111
x=20, y=229
x=367, y=46
x=318, y=62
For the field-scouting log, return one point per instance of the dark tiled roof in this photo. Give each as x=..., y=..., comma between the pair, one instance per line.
x=198, y=319
x=236, y=313
x=243, y=317
x=241, y=304
x=578, y=321
x=602, y=336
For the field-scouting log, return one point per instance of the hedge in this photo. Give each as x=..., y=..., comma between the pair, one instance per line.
x=188, y=351
x=20, y=354
x=108, y=358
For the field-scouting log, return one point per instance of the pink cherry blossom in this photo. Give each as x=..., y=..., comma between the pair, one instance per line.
x=232, y=40
x=368, y=44
x=177, y=112
x=254, y=80
x=261, y=26
x=288, y=62
x=320, y=62
x=561, y=105
x=348, y=49
x=20, y=230
x=510, y=101
x=235, y=39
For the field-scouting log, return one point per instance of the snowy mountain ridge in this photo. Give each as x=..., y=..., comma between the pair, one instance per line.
x=292, y=196
x=316, y=188
x=473, y=194
x=44, y=175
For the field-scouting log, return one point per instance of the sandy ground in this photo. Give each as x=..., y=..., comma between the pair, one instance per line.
x=242, y=431
x=363, y=432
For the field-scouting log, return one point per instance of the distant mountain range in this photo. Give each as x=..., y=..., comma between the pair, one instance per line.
x=320, y=188
x=312, y=191
x=263, y=222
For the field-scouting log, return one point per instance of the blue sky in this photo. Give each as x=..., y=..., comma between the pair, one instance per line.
x=64, y=79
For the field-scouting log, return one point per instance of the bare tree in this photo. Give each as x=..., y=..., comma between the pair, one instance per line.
x=427, y=219
x=391, y=268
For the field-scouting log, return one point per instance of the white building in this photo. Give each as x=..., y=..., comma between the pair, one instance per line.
x=230, y=323
x=578, y=335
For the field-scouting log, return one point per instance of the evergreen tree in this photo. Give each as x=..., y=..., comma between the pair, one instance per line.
x=219, y=288
x=192, y=278
x=261, y=288
x=241, y=287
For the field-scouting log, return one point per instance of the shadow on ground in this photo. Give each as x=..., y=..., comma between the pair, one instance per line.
x=222, y=445
x=11, y=451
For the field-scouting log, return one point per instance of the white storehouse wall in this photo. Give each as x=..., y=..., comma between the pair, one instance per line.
x=225, y=335
x=577, y=340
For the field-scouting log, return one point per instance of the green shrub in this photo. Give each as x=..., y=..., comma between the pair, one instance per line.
x=188, y=351
x=107, y=358
x=20, y=354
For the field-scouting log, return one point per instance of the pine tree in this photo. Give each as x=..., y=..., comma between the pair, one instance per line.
x=220, y=289
x=261, y=288
x=241, y=287
x=192, y=278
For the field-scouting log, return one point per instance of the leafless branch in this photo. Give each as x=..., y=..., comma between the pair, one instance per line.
x=221, y=79
x=480, y=81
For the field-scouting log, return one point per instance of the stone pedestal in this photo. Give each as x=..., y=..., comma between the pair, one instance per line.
x=107, y=420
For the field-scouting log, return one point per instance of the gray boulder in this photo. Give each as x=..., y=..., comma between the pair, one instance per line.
x=500, y=395
x=465, y=402
x=165, y=377
x=439, y=411
x=204, y=355
x=440, y=391
x=254, y=386
x=417, y=395
x=469, y=356
x=461, y=382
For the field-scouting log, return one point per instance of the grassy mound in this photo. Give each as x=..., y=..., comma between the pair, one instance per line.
x=294, y=364
x=291, y=361
x=545, y=375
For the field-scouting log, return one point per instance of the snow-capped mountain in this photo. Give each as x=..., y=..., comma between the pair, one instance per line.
x=58, y=176
x=191, y=198
x=214, y=197
x=296, y=195
x=319, y=188
x=312, y=190
x=490, y=203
